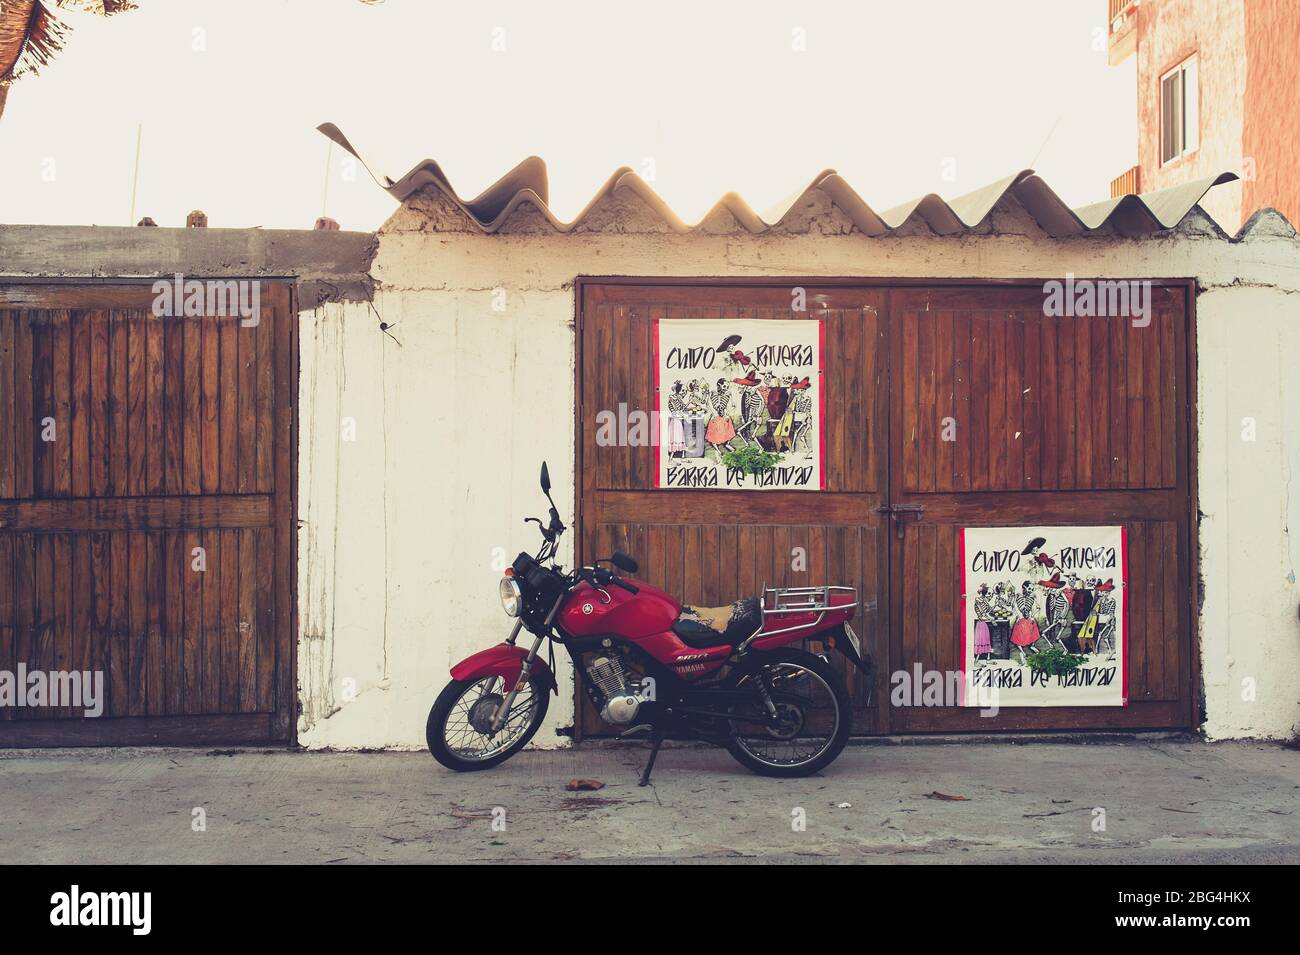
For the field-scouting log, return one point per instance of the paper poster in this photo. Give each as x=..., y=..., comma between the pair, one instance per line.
x=1045, y=614
x=740, y=404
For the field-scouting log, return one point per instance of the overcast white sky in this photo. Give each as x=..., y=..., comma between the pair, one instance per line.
x=713, y=94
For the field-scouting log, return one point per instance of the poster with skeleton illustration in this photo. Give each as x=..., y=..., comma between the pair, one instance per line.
x=740, y=404
x=1044, y=616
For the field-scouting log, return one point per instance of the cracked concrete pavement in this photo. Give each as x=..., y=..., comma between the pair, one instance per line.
x=1164, y=801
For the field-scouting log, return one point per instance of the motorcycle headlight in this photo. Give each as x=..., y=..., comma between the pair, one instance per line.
x=511, y=597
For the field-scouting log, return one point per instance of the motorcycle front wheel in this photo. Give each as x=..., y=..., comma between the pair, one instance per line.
x=459, y=733
x=814, y=714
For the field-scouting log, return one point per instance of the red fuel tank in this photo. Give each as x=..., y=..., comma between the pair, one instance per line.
x=647, y=612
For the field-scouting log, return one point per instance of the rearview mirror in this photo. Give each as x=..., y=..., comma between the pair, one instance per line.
x=623, y=562
x=546, y=479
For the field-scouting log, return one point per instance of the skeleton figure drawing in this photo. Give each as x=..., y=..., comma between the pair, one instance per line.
x=775, y=412
x=721, y=429
x=1045, y=609
x=754, y=407
x=1044, y=615
x=676, y=420
x=740, y=403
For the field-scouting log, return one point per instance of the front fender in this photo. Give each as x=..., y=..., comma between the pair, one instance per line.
x=503, y=660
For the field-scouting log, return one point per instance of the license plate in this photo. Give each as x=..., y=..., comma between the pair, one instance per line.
x=853, y=639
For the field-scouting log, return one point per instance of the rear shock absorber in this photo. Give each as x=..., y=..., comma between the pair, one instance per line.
x=764, y=694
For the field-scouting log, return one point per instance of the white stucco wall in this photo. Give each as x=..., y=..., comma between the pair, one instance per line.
x=1249, y=379
x=400, y=527
x=406, y=529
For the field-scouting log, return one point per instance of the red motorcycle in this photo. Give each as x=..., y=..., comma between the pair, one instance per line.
x=728, y=675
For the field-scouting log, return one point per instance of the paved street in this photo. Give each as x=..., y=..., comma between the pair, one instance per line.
x=1163, y=801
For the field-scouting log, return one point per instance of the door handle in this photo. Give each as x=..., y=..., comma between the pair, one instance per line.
x=900, y=513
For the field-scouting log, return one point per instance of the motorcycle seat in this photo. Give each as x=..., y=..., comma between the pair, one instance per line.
x=704, y=627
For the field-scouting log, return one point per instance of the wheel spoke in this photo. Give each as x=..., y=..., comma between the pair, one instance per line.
x=809, y=713
x=462, y=738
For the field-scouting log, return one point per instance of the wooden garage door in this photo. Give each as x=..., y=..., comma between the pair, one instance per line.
x=708, y=547
x=146, y=508
x=1058, y=421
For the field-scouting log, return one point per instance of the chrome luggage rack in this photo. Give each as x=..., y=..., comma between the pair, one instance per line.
x=787, y=600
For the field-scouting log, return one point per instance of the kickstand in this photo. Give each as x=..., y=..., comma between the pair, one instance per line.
x=657, y=740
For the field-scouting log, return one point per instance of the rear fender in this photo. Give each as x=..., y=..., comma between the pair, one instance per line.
x=504, y=660
x=838, y=639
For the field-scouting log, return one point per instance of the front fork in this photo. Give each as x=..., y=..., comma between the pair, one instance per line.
x=526, y=667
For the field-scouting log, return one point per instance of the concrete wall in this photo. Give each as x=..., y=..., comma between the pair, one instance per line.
x=408, y=527
x=329, y=266
x=405, y=527
x=1249, y=394
x=419, y=459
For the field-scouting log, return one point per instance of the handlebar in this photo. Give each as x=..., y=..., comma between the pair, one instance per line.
x=600, y=577
x=552, y=531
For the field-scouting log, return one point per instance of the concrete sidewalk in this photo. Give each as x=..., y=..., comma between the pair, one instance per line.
x=1164, y=801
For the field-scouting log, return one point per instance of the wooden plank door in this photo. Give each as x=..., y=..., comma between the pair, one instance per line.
x=146, y=513
x=709, y=547
x=1058, y=421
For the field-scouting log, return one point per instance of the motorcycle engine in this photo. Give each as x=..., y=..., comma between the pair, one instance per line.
x=609, y=675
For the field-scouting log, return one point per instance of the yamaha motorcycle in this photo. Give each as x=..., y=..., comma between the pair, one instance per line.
x=730, y=675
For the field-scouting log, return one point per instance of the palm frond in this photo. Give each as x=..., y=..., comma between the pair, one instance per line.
x=103, y=8
x=29, y=36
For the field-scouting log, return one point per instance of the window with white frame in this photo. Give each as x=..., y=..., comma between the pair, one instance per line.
x=1178, y=114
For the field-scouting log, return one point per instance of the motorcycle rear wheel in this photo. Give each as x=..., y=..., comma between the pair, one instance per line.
x=793, y=670
x=456, y=743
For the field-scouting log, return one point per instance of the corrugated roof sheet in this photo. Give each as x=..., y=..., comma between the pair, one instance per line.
x=517, y=200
